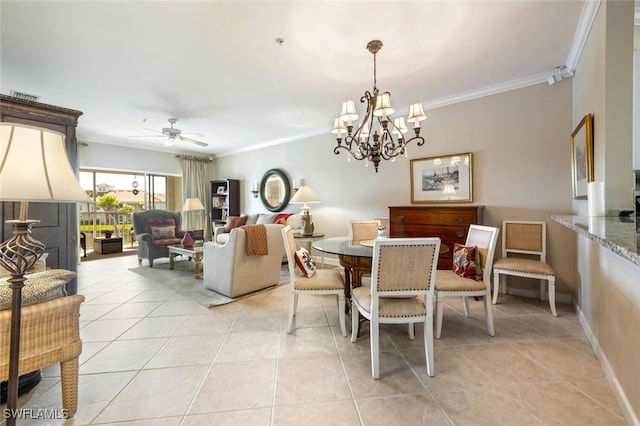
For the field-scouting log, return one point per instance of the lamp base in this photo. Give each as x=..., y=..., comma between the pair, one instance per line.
x=307, y=225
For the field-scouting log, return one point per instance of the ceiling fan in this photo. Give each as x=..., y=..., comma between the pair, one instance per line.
x=173, y=133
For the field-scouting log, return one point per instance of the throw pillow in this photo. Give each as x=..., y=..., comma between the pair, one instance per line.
x=234, y=222
x=305, y=262
x=465, y=260
x=282, y=218
x=266, y=218
x=161, y=232
x=166, y=221
x=252, y=219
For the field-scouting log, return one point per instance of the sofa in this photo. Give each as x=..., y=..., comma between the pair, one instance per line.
x=154, y=231
x=230, y=271
x=221, y=232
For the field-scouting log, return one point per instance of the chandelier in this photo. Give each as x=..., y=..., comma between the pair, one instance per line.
x=390, y=142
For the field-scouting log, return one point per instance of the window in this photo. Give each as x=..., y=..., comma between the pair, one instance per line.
x=117, y=196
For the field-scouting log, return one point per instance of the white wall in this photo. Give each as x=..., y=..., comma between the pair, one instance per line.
x=606, y=285
x=520, y=142
x=111, y=157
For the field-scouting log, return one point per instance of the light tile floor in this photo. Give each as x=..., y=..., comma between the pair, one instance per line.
x=152, y=357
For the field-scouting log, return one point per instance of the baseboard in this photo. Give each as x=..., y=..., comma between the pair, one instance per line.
x=535, y=294
x=618, y=392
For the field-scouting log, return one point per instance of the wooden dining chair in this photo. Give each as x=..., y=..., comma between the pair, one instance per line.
x=403, y=270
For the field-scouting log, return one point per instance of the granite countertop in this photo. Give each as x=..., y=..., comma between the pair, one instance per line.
x=620, y=235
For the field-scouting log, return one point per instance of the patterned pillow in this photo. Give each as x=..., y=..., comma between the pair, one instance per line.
x=167, y=221
x=234, y=222
x=305, y=262
x=162, y=232
x=282, y=218
x=466, y=260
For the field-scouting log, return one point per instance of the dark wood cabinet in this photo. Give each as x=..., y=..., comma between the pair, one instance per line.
x=107, y=245
x=225, y=200
x=58, y=227
x=450, y=223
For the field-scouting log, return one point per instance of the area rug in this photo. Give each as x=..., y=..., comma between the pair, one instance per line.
x=182, y=280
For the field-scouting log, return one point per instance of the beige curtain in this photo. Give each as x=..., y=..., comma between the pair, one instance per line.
x=196, y=185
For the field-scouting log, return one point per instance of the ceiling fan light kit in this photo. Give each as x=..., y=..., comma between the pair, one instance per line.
x=361, y=144
x=172, y=133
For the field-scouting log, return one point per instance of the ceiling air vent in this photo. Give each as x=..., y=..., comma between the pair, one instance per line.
x=25, y=96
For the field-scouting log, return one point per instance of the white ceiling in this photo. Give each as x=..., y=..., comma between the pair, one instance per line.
x=216, y=65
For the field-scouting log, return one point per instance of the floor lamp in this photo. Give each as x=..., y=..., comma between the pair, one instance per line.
x=191, y=204
x=33, y=167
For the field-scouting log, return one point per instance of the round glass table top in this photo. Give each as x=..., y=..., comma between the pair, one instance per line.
x=343, y=246
x=347, y=247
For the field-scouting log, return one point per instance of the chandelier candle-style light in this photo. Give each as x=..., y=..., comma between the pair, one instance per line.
x=365, y=143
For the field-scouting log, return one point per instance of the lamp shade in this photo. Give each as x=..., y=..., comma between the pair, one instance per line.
x=305, y=194
x=192, y=204
x=34, y=166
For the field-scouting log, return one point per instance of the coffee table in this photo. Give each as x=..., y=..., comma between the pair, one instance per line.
x=194, y=253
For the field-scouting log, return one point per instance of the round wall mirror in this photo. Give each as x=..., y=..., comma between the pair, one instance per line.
x=275, y=190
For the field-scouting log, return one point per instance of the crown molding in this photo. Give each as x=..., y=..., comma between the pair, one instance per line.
x=588, y=15
x=487, y=91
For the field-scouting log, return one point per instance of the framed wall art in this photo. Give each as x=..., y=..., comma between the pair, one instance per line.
x=444, y=179
x=582, y=157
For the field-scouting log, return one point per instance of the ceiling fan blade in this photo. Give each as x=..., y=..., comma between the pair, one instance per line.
x=147, y=136
x=182, y=138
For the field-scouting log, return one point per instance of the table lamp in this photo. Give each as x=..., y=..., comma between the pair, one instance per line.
x=305, y=195
x=190, y=204
x=33, y=167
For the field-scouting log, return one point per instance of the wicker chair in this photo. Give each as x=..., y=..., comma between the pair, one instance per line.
x=49, y=334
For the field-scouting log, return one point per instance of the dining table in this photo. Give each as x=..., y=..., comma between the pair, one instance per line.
x=355, y=256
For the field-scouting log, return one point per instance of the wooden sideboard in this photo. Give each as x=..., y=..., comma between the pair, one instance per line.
x=450, y=223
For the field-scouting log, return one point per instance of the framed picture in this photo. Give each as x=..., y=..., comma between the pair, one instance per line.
x=582, y=157
x=444, y=179
x=221, y=190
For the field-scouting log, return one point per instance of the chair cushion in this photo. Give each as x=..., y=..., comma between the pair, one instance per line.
x=39, y=287
x=390, y=307
x=305, y=262
x=466, y=260
x=234, y=222
x=523, y=265
x=162, y=232
x=323, y=279
x=166, y=242
x=450, y=281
